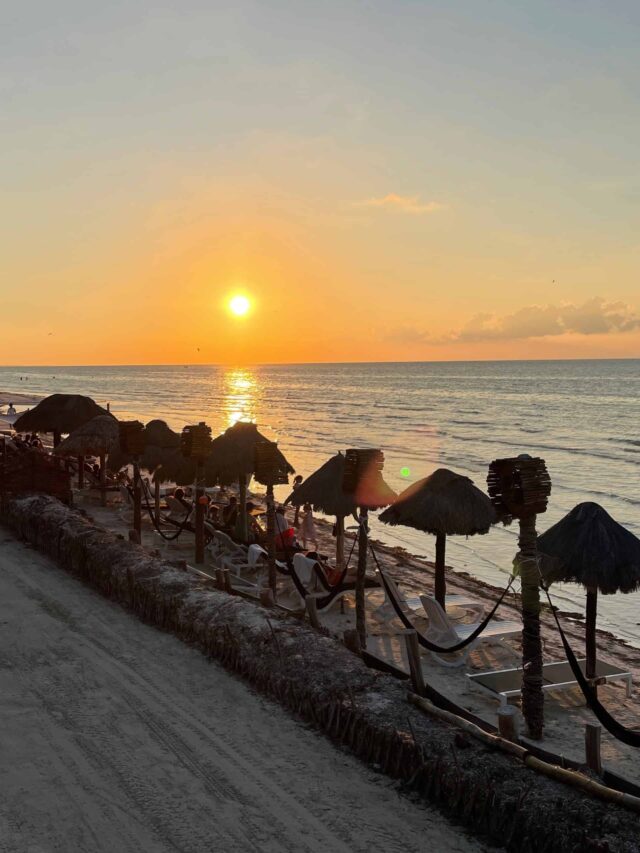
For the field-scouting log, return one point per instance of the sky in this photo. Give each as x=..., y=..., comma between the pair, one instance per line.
x=400, y=180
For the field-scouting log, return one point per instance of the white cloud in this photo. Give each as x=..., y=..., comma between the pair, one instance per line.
x=402, y=204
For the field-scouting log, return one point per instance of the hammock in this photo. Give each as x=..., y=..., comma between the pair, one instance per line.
x=628, y=736
x=183, y=525
x=427, y=644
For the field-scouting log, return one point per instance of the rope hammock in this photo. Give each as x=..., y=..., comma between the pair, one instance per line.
x=628, y=736
x=181, y=525
x=427, y=644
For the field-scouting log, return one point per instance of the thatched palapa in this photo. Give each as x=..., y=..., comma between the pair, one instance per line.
x=443, y=504
x=95, y=438
x=60, y=414
x=589, y=547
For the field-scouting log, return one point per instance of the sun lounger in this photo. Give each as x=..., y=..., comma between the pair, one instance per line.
x=504, y=684
x=413, y=606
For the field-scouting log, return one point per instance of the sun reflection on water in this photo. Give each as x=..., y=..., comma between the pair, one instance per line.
x=240, y=396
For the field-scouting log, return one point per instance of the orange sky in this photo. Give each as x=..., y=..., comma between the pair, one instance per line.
x=466, y=197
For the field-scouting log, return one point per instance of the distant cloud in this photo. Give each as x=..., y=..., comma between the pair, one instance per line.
x=593, y=317
x=402, y=204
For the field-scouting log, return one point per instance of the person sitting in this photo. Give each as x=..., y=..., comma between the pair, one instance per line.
x=285, y=534
x=255, y=533
x=214, y=516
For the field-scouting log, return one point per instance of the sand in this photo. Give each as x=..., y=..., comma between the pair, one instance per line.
x=116, y=737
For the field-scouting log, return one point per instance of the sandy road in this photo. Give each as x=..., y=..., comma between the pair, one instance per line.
x=116, y=737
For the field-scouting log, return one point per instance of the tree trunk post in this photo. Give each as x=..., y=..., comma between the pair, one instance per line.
x=413, y=656
x=590, y=631
x=81, y=472
x=137, y=497
x=440, y=590
x=532, y=696
x=271, y=540
x=592, y=733
x=103, y=479
x=57, y=437
x=363, y=543
x=244, y=531
x=199, y=513
x=156, y=500
x=340, y=541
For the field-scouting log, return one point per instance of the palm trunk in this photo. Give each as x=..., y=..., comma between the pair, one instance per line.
x=440, y=590
x=363, y=544
x=590, y=631
x=103, y=480
x=532, y=696
x=81, y=472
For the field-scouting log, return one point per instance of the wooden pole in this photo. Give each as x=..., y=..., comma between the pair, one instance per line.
x=81, y=472
x=440, y=590
x=199, y=513
x=592, y=733
x=271, y=540
x=363, y=544
x=506, y=722
x=590, y=631
x=532, y=696
x=57, y=437
x=156, y=500
x=413, y=656
x=137, y=497
x=244, y=531
x=103, y=480
x=340, y=541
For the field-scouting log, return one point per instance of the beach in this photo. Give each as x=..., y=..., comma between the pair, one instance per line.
x=117, y=737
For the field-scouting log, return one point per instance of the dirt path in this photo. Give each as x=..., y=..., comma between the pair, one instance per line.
x=116, y=737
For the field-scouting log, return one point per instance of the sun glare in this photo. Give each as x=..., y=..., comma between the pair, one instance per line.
x=239, y=305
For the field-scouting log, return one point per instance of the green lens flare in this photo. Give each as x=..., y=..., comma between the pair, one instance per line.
x=405, y=472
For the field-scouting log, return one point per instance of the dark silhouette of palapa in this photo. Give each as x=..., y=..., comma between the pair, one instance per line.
x=443, y=504
x=60, y=414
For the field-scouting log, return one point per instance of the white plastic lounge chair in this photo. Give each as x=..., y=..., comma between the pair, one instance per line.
x=444, y=632
x=412, y=604
x=504, y=684
x=177, y=510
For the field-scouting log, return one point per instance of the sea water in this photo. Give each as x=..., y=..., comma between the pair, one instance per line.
x=582, y=417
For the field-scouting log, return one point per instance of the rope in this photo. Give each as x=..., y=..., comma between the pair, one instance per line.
x=628, y=736
x=427, y=644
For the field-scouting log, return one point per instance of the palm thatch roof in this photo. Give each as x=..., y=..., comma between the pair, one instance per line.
x=233, y=454
x=323, y=490
x=445, y=503
x=588, y=547
x=97, y=436
x=62, y=413
x=161, y=441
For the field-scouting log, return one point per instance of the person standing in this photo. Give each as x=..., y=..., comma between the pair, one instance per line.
x=297, y=480
x=308, y=528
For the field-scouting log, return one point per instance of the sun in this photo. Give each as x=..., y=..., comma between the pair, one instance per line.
x=239, y=305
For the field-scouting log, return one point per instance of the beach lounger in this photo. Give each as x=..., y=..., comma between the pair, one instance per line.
x=444, y=632
x=413, y=606
x=505, y=684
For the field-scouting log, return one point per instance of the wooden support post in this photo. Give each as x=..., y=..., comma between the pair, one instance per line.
x=266, y=598
x=57, y=437
x=103, y=479
x=137, y=498
x=413, y=655
x=592, y=733
x=507, y=723
x=440, y=586
x=352, y=641
x=220, y=579
x=199, y=513
x=363, y=544
x=156, y=500
x=271, y=540
x=81, y=472
x=226, y=579
x=340, y=541
x=242, y=488
x=590, y=632
x=312, y=610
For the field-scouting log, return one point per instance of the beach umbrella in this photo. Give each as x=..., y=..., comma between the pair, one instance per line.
x=443, y=504
x=233, y=459
x=96, y=437
x=589, y=547
x=323, y=490
x=59, y=413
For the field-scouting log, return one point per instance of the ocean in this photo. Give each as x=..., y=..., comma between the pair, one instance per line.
x=582, y=417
